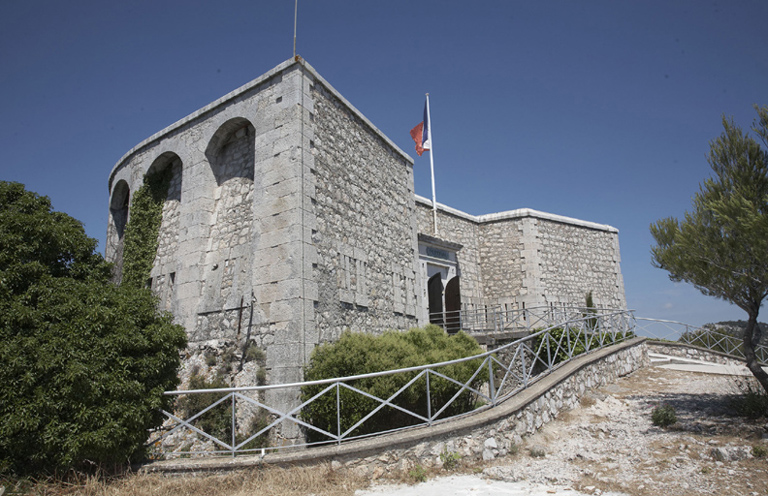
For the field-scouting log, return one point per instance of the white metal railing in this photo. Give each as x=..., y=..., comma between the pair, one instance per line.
x=498, y=319
x=557, y=335
x=708, y=337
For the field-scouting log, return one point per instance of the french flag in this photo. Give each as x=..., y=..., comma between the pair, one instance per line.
x=420, y=134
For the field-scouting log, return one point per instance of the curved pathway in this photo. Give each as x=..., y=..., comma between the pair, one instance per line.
x=609, y=445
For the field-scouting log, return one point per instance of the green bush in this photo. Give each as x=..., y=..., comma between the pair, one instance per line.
x=450, y=459
x=580, y=342
x=578, y=339
x=83, y=363
x=759, y=451
x=663, y=415
x=217, y=421
x=751, y=400
x=359, y=353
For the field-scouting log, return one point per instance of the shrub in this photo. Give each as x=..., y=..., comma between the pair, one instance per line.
x=450, y=459
x=663, y=415
x=218, y=420
x=556, y=345
x=359, y=353
x=751, y=400
x=418, y=474
x=579, y=340
x=83, y=363
x=759, y=451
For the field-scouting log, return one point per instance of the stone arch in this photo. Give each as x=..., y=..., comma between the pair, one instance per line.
x=118, y=207
x=231, y=156
x=164, y=267
x=161, y=164
x=230, y=152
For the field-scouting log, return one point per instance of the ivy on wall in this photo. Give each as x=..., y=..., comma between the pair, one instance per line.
x=143, y=228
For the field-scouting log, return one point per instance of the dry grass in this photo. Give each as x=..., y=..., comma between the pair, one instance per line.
x=295, y=481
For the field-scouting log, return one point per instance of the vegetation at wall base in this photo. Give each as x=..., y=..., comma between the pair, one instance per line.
x=217, y=421
x=143, y=228
x=83, y=363
x=555, y=343
x=361, y=353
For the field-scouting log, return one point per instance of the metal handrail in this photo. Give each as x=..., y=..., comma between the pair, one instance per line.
x=702, y=337
x=508, y=368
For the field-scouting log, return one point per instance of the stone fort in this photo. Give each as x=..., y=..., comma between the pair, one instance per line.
x=290, y=217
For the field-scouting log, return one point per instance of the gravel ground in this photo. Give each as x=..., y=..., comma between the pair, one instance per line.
x=609, y=446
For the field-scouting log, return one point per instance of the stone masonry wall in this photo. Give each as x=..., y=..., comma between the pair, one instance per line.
x=465, y=232
x=502, y=255
x=365, y=232
x=526, y=258
x=574, y=260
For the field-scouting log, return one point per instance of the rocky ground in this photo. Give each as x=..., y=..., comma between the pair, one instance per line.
x=609, y=444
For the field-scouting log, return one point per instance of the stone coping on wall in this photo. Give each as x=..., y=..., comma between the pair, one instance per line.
x=455, y=427
x=232, y=95
x=517, y=214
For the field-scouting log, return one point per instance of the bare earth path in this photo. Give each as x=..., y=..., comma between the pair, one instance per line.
x=610, y=446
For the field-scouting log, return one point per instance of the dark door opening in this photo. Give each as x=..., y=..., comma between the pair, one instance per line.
x=435, y=291
x=452, y=306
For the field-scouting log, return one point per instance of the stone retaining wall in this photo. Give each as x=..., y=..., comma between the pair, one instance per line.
x=484, y=435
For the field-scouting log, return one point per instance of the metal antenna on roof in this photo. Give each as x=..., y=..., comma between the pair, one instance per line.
x=295, y=16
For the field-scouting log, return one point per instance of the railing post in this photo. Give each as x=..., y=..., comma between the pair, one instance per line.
x=491, y=385
x=234, y=427
x=429, y=402
x=522, y=362
x=338, y=414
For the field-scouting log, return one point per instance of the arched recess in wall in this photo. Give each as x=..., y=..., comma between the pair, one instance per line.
x=231, y=155
x=118, y=218
x=167, y=166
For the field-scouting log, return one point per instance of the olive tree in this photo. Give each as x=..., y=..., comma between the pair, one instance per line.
x=721, y=246
x=83, y=363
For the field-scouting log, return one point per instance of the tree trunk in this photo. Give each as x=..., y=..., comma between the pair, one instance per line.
x=750, y=333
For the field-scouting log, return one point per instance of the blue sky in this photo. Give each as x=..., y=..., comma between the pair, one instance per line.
x=599, y=110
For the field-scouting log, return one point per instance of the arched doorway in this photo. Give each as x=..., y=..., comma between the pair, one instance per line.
x=435, y=291
x=453, y=306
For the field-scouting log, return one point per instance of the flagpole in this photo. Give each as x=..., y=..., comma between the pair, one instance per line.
x=295, y=16
x=432, y=168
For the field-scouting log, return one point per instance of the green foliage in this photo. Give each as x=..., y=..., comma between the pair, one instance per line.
x=751, y=400
x=83, y=363
x=556, y=344
x=579, y=340
x=218, y=421
x=418, y=474
x=759, y=451
x=663, y=415
x=721, y=246
x=450, y=459
x=141, y=232
x=359, y=353
x=253, y=352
